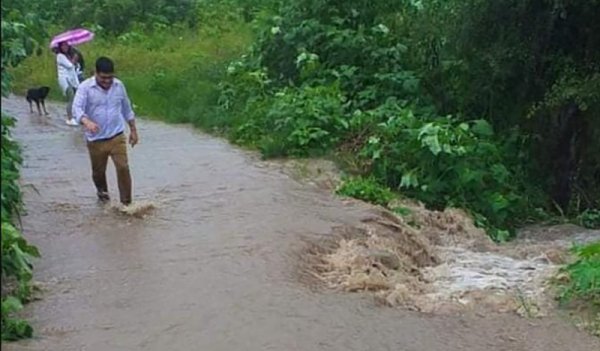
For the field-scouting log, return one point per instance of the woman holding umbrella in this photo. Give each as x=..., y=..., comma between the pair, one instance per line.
x=67, y=63
x=67, y=77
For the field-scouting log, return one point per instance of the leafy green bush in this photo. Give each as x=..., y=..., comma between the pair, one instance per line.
x=366, y=189
x=17, y=253
x=116, y=17
x=17, y=257
x=589, y=219
x=444, y=162
x=299, y=122
x=398, y=85
x=14, y=328
x=532, y=64
x=18, y=42
x=328, y=75
x=584, y=275
x=11, y=159
x=322, y=42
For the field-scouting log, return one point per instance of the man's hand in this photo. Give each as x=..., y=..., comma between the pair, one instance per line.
x=133, y=137
x=89, y=125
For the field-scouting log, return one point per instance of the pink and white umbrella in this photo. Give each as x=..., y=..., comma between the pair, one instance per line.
x=72, y=37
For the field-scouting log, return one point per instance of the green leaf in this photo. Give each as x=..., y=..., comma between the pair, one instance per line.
x=500, y=173
x=501, y=235
x=433, y=143
x=483, y=128
x=11, y=305
x=402, y=211
x=409, y=180
x=499, y=202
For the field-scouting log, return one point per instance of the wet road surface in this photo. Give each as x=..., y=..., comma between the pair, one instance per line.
x=214, y=267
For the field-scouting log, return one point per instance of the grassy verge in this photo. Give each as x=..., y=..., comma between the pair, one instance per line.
x=170, y=74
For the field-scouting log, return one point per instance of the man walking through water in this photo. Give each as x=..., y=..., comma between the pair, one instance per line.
x=102, y=106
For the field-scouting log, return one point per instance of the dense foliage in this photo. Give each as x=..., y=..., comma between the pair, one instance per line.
x=117, y=17
x=535, y=66
x=491, y=106
x=17, y=254
x=584, y=275
x=581, y=282
x=18, y=33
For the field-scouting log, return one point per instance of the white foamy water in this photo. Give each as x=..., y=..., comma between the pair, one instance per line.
x=464, y=270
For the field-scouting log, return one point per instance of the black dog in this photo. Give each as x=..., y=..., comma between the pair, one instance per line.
x=39, y=96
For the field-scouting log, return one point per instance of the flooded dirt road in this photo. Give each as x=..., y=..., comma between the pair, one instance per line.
x=214, y=266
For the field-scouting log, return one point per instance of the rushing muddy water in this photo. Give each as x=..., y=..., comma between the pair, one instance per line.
x=213, y=265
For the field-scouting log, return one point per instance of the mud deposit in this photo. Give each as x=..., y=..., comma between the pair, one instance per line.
x=439, y=262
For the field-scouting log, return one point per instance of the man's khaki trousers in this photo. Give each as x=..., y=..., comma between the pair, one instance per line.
x=115, y=148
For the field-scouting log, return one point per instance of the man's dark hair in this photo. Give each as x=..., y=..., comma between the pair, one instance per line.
x=105, y=65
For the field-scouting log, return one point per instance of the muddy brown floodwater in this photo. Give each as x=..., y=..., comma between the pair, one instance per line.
x=213, y=267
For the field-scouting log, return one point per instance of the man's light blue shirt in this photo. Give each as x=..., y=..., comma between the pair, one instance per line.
x=109, y=109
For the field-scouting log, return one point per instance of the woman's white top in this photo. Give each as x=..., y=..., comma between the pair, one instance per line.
x=67, y=73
